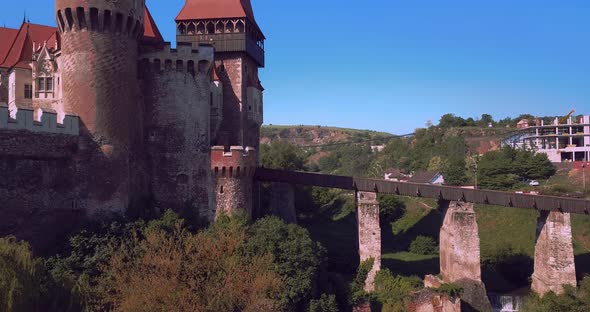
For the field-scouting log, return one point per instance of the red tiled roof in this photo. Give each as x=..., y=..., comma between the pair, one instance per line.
x=216, y=9
x=20, y=48
x=151, y=33
x=7, y=36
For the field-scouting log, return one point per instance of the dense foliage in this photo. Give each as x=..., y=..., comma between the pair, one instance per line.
x=503, y=169
x=25, y=284
x=393, y=292
x=423, y=245
x=230, y=266
x=574, y=300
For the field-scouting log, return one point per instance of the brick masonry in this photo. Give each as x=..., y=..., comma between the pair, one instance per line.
x=554, y=254
x=233, y=175
x=460, y=260
x=177, y=129
x=282, y=201
x=459, y=244
x=369, y=231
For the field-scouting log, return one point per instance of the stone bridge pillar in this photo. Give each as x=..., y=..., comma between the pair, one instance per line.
x=459, y=244
x=369, y=233
x=460, y=261
x=554, y=254
x=282, y=201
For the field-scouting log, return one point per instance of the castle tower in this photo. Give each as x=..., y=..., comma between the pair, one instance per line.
x=99, y=56
x=239, y=52
x=233, y=173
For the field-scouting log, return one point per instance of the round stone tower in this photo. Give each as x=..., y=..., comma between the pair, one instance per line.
x=99, y=55
x=233, y=174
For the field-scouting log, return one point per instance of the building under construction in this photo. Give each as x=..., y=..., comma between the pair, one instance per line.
x=565, y=140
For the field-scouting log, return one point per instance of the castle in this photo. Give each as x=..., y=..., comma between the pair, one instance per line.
x=101, y=116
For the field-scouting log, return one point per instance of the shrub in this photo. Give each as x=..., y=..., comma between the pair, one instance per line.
x=357, y=287
x=326, y=303
x=393, y=292
x=423, y=245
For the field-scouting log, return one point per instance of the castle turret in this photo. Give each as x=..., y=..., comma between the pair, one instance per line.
x=176, y=89
x=239, y=51
x=99, y=56
x=233, y=174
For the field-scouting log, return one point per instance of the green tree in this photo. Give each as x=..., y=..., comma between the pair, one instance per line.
x=437, y=164
x=297, y=258
x=455, y=172
x=25, y=283
x=282, y=155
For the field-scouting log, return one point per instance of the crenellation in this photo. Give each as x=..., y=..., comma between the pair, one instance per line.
x=181, y=59
x=25, y=120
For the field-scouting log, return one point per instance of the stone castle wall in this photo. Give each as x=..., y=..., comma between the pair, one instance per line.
x=99, y=78
x=175, y=84
x=233, y=174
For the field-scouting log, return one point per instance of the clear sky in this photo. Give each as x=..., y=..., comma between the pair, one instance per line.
x=392, y=65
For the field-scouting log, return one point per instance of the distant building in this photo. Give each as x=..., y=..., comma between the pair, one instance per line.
x=377, y=148
x=396, y=175
x=428, y=177
x=566, y=142
x=524, y=123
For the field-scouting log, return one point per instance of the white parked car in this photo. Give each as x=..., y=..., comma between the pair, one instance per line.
x=534, y=183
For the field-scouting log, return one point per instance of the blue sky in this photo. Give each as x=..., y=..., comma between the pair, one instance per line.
x=392, y=65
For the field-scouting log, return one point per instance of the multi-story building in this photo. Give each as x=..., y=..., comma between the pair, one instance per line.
x=101, y=116
x=562, y=142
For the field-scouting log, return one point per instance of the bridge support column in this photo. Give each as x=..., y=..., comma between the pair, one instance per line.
x=282, y=201
x=460, y=260
x=369, y=234
x=554, y=254
x=459, y=243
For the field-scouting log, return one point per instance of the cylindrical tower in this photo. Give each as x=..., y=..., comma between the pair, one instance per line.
x=99, y=56
x=233, y=173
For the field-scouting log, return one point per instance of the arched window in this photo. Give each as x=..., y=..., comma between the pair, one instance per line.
x=229, y=27
x=181, y=29
x=240, y=27
x=210, y=28
x=190, y=67
x=200, y=28
x=179, y=66
x=191, y=29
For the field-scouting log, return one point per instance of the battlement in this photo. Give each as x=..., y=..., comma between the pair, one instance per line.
x=182, y=59
x=237, y=163
x=122, y=17
x=48, y=122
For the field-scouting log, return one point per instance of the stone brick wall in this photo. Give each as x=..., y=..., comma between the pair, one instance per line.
x=459, y=244
x=99, y=78
x=369, y=231
x=233, y=174
x=177, y=120
x=38, y=188
x=554, y=254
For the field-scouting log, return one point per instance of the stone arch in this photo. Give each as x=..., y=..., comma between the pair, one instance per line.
x=81, y=18
x=203, y=66
x=69, y=18
x=93, y=19
x=190, y=67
